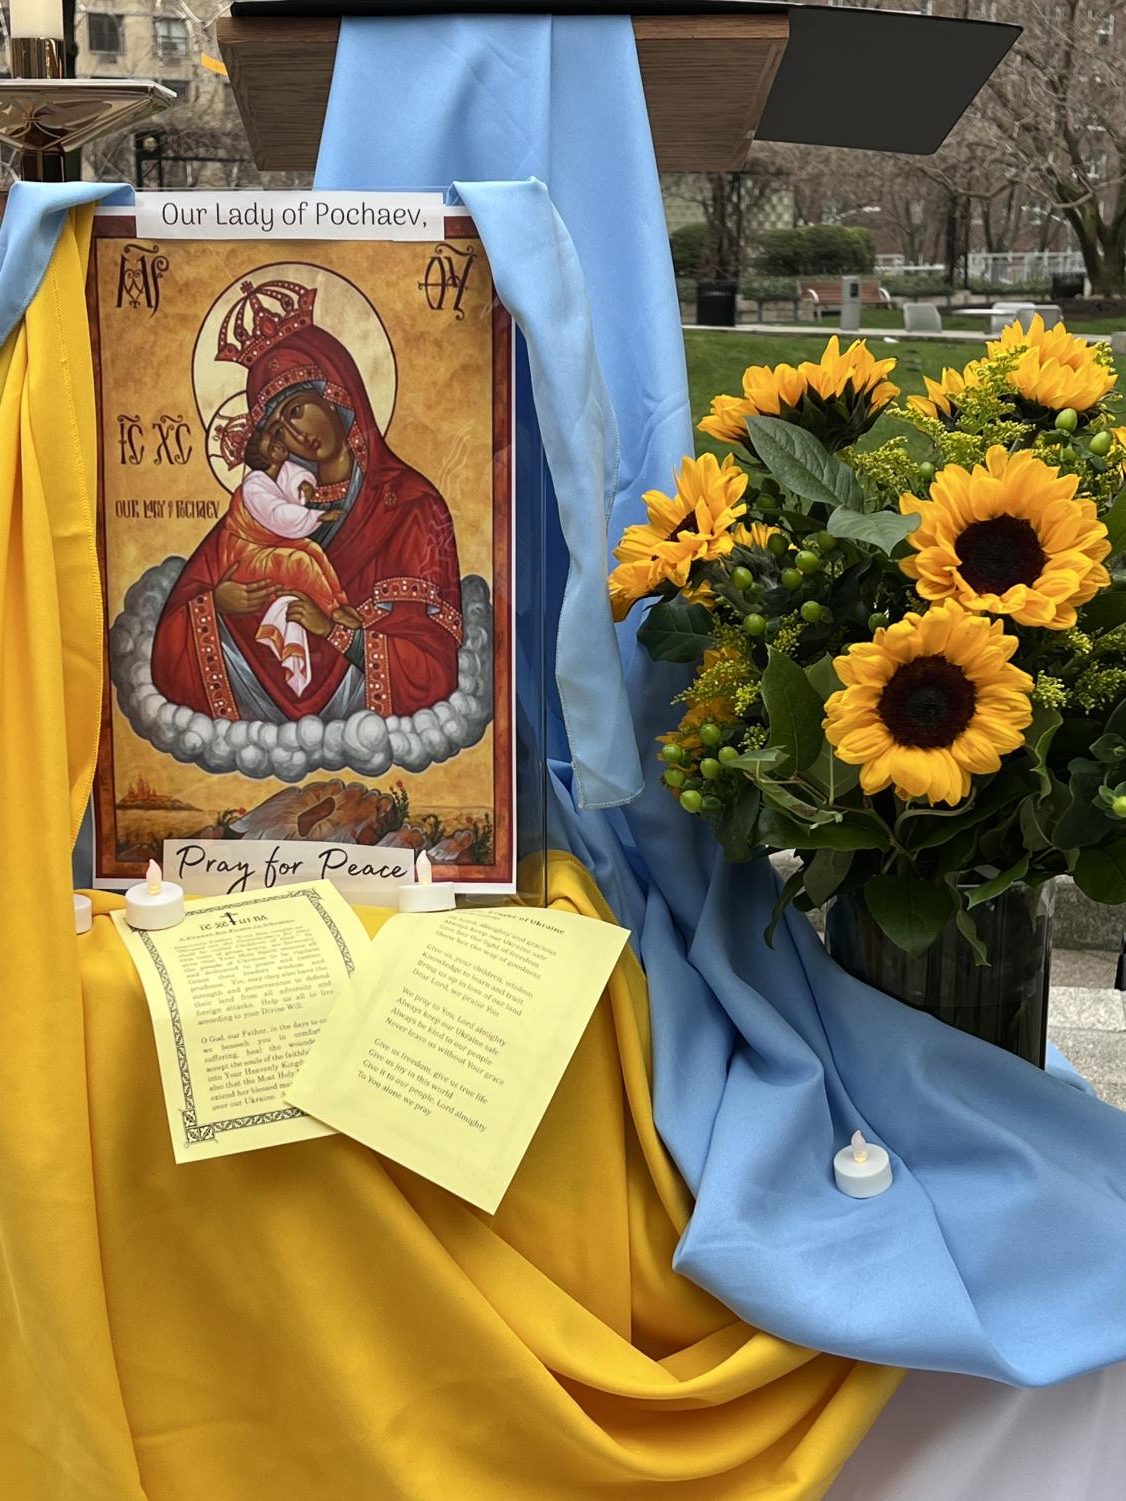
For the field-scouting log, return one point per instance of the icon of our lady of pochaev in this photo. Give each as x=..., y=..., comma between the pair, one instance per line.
x=387, y=638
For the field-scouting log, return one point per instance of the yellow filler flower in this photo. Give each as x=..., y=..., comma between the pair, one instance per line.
x=838, y=397
x=928, y=703
x=1056, y=369
x=691, y=526
x=1009, y=538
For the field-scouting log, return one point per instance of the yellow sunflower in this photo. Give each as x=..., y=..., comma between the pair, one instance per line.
x=838, y=396
x=1009, y=538
x=756, y=534
x=928, y=703
x=1056, y=369
x=943, y=395
x=693, y=525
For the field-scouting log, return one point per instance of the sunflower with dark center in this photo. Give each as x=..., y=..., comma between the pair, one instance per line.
x=837, y=397
x=929, y=703
x=693, y=525
x=1008, y=538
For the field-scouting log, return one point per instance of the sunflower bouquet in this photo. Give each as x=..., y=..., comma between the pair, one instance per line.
x=908, y=656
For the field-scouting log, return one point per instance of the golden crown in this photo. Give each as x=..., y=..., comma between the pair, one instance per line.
x=262, y=316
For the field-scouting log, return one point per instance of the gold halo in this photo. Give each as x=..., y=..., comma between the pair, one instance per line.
x=341, y=309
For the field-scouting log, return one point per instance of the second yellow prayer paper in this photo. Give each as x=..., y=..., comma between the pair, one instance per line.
x=447, y=1052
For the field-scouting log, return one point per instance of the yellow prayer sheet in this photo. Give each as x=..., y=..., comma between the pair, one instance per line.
x=238, y=992
x=449, y=1048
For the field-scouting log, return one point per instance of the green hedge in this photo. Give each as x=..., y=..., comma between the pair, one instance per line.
x=917, y=284
x=1029, y=291
x=687, y=246
x=767, y=287
x=817, y=250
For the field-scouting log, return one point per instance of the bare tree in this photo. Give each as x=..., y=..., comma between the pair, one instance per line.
x=1055, y=115
x=1041, y=152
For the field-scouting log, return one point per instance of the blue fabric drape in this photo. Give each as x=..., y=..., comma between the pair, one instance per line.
x=33, y=221
x=998, y=1250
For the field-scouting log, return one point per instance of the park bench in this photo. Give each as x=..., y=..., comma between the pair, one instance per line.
x=824, y=295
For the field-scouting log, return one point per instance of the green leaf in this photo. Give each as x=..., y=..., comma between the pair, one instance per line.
x=984, y=802
x=955, y=853
x=755, y=761
x=1038, y=738
x=1031, y=827
x=912, y=912
x=823, y=675
x=795, y=711
x=824, y=874
x=829, y=773
x=1105, y=611
x=736, y=830
x=785, y=897
x=1116, y=722
x=805, y=812
x=1115, y=523
x=1101, y=873
x=968, y=929
x=852, y=589
x=856, y=831
x=1081, y=822
x=675, y=631
x=1109, y=748
x=882, y=529
x=989, y=889
x=802, y=465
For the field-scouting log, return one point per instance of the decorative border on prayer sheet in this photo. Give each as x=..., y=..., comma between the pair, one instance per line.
x=196, y=1131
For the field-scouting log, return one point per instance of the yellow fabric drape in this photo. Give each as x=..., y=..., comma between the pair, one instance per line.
x=311, y=1322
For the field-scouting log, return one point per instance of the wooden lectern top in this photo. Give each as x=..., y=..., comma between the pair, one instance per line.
x=880, y=80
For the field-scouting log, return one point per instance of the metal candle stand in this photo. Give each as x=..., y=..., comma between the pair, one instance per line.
x=45, y=114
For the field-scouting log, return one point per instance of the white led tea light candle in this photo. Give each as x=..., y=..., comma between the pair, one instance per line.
x=426, y=894
x=154, y=902
x=862, y=1169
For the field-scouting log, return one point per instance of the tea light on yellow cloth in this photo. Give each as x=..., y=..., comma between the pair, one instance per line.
x=426, y=894
x=83, y=913
x=154, y=902
x=862, y=1169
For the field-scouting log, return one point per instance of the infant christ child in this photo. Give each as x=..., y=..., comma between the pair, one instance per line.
x=266, y=537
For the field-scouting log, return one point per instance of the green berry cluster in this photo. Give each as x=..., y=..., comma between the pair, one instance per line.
x=698, y=781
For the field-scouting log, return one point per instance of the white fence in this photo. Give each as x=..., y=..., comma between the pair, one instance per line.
x=1000, y=267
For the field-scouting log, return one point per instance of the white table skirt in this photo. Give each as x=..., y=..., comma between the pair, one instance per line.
x=958, y=1438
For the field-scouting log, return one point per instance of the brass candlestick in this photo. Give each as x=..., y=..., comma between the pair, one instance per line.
x=45, y=115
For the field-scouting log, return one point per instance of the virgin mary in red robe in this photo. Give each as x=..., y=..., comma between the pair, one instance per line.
x=393, y=547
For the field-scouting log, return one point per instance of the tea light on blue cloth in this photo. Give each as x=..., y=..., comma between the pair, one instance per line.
x=862, y=1169
x=154, y=902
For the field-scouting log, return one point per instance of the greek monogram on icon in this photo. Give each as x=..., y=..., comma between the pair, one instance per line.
x=139, y=274
x=446, y=278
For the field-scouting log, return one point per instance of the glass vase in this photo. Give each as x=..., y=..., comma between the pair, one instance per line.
x=1005, y=1002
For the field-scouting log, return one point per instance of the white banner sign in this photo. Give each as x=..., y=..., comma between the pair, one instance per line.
x=204, y=215
x=364, y=873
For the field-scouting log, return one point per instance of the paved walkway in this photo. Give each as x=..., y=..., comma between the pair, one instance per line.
x=888, y=335
x=1087, y=1019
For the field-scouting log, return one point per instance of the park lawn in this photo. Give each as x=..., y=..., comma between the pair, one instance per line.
x=716, y=362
